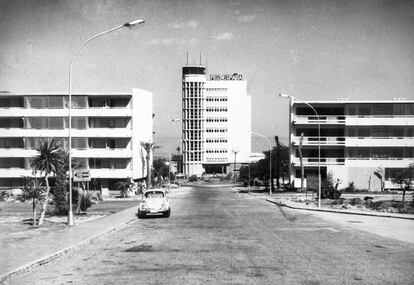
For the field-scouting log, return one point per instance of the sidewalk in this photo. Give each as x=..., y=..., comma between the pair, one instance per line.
x=390, y=225
x=22, y=255
x=301, y=206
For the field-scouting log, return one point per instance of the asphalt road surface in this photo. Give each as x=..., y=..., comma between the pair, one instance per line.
x=219, y=236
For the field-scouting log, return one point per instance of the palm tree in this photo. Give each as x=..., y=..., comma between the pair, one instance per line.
x=148, y=146
x=124, y=185
x=49, y=161
x=33, y=190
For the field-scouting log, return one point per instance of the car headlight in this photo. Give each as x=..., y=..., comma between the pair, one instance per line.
x=144, y=206
x=164, y=205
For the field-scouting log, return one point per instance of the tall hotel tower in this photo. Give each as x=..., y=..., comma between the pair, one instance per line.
x=216, y=122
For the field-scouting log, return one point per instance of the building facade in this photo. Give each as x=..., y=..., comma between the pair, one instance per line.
x=358, y=141
x=216, y=122
x=107, y=131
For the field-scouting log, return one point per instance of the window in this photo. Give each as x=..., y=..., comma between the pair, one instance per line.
x=11, y=142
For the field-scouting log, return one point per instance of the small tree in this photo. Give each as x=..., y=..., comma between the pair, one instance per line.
x=405, y=179
x=48, y=161
x=33, y=190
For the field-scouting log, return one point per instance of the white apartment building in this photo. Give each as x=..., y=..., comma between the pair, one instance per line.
x=107, y=130
x=357, y=138
x=216, y=122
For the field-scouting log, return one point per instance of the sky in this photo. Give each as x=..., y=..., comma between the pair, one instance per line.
x=314, y=50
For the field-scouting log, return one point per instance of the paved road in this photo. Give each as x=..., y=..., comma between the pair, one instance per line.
x=218, y=236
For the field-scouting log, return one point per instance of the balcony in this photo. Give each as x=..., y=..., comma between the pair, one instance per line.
x=391, y=162
x=330, y=141
x=102, y=153
x=63, y=112
x=323, y=119
x=15, y=172
x=379, y=141
x=313, y=161
x=91, y=132
x=111, y=173
x=391, y=120
x=17, y=152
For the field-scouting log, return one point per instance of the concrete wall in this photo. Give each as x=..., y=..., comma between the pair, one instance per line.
x=364, y=178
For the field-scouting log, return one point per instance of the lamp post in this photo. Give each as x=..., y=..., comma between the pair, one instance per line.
x=130, y=24
x=235, y=151
x=319, y=141
x=270, y=158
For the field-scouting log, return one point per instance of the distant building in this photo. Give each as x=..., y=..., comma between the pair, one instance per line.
x=107, y=130
x=358, y=138
x=216, y=122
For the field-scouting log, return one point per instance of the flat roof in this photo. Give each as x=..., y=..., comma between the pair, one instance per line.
x=342, y=101
x=66, y=94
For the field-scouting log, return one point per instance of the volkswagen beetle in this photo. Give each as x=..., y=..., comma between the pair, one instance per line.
x=155, y=201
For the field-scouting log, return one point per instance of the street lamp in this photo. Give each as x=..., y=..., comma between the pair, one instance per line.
x=319, y=141
x=126, y=25
x=270, y=158
x=235, y=151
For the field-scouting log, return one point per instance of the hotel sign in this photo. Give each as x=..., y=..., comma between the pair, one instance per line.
x=234, y=76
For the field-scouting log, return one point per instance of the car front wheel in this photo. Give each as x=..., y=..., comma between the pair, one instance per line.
x=167, y=213
x=141, y=215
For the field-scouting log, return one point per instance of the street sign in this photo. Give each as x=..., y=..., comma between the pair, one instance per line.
x=81, y=175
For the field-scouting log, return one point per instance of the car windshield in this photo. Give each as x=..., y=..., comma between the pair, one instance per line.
x=154, y=194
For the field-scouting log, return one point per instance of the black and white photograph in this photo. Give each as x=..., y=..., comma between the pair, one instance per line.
x=206, y=142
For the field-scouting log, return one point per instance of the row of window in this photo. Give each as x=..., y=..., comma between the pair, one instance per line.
x=367, y=109
x=58, y=102
x=216, y=89
x=373, y=131
x=92, y=163
x=216, y=159
x=216, y=140
x=216, y=99
x=60, y=123
x=216, y=119
x=216, y=109
x=77, y=143
x=216, y=151
x=216, y=130
x=379, y=152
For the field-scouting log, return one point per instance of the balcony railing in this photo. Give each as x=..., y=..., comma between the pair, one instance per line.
x=323, y=119
x=380, y=141
x=313, y=161
x=323, y=140
x=380, y=120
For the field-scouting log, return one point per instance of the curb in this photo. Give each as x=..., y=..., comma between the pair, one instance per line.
x=339, y=211
x=46, y=259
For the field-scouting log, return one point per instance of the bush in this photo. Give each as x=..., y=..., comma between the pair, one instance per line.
x=193, y=178
x=4, y=195
x=327, y=193
x=330, y=191
x=351, y=187
x=355, y=201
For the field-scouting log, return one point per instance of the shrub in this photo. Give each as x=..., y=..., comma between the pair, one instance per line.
x=193, y=178
x=351, y=187
x=355, y=201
